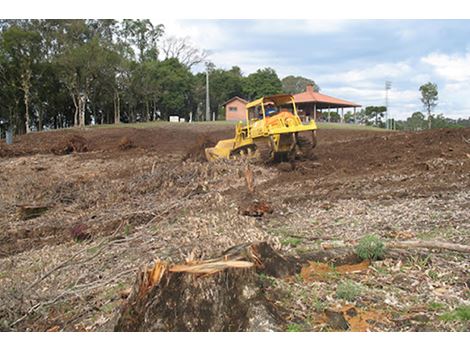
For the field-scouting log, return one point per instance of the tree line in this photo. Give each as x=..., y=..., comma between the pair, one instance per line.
x=63, y=73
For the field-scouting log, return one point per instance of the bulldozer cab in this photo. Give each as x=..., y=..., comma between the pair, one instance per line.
x=269, y=106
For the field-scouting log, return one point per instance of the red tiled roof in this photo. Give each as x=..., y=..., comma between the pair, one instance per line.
x=310, y=96
x=234, y=98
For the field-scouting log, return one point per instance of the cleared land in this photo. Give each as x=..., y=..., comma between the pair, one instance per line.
x=83, y=210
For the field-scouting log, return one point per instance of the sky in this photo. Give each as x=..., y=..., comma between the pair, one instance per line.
x=348, y=59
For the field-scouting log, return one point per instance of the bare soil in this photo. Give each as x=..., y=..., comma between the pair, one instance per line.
x=114, y=199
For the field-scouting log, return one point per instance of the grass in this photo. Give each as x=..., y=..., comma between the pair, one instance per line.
x=294, y=328
x=291, y=241
x=152, y=124
x=348, y=290
x=461, y=313
x=370, y=247
x=347, y=126
x=434, y=306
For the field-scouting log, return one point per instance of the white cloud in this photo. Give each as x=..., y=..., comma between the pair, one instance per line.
x=378, y=72
x=452, y=67
x=248, y=60
x=289, y=27
x=205, y=34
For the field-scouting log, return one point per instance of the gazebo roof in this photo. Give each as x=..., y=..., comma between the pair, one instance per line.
x=322, y=100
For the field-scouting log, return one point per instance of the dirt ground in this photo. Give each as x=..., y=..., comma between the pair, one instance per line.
x=109, y=200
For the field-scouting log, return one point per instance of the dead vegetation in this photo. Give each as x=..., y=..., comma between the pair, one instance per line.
x=108, y=213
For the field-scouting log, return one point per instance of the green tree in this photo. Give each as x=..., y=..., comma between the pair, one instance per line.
x=224, y=84
x=429, y=97
x=261, y=83
x=23, y=49
x=374, y=115
x=416, y=122
x=175, y=86
x=297, y=84
x=144, y=35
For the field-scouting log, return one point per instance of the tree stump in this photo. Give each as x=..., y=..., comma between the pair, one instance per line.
x=221, y=294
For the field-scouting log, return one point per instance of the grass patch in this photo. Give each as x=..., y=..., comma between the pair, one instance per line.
x=294, y=328
x=348, y=126
x=434, y=306
x=127, y=230
x=348, y=290
x=461, y=313
x=370, y=247
x=291, y=241
x=266, y=279
x=152, y=124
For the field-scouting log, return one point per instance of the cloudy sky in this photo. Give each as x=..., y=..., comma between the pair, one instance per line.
x=348, y=59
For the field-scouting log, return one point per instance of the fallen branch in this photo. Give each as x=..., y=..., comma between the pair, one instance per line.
x=430, y=245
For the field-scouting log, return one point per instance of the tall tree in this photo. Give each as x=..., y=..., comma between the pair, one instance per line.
x=183, y=50
x=144, y=35
x=261, y=83
x=23, y=48
x=429, y=97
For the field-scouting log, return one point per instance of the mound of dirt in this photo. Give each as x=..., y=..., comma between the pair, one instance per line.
x=196, y=152
x=5, y=151
x=126, y=143
x=71, y=144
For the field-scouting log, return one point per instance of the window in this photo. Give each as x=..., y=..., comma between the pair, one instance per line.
x=232, y=108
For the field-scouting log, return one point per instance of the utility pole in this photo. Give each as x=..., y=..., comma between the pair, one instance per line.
x=388, y=86
x=208, y=109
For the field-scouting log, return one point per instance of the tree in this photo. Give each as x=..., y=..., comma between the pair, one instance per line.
x=183, y=50
x=374, y=115
x=224, y=84
x=429, y=97
x=416, y=122
x=144, y=35
x=173, y=87
x=23, y=48
x=261, y=83
x=297, y=84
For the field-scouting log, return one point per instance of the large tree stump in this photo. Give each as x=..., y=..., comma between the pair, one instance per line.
x=222, y=294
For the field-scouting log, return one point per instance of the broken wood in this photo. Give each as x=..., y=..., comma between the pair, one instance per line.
x=430, y=245
x=26, y=212
x=220, y=294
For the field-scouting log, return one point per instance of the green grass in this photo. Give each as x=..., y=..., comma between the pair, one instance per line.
x=347, y=126
x=294, y=328
x=348, y=290
x=461, y=313
x=370, y=247
x=291, y=241
x=434, y=306
x=152, y=124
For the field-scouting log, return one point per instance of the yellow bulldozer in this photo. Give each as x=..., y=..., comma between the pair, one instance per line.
x=273, y=131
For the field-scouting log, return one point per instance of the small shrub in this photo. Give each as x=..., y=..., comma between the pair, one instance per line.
x=294, y=328
x=461, y=313
x=291, y=241
x=370, y=247
x=348, y=290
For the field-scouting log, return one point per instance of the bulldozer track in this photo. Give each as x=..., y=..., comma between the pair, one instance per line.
x=264, y=152
x=305, y=145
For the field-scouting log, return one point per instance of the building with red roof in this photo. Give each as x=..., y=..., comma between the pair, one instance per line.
x=309, y=103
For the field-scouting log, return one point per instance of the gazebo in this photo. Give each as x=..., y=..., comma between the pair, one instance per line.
x=309, y=102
